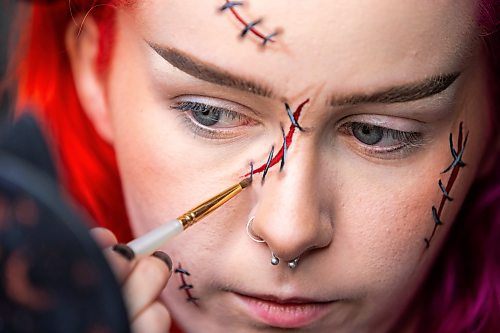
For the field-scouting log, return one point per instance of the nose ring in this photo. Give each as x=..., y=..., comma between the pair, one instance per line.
x=250, y=233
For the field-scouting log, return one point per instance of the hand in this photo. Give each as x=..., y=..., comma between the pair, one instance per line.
x=142, y=281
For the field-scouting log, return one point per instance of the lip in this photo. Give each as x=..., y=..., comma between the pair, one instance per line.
x=283, y=313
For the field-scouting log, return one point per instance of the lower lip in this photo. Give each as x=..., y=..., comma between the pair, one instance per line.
x=284, y=315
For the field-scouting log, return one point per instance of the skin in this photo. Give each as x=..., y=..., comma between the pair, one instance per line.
x=356, y=218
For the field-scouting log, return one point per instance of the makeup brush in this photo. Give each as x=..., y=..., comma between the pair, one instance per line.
x=151, y=241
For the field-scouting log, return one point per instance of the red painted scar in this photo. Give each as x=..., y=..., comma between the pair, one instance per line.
x=289, y=138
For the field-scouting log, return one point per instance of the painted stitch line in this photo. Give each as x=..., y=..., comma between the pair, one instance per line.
x=292, y=117
x=251, y=171
x=186, y=286
x=443, y=189
x=230, y=4
x=285, y=149
x=269, y=38
x=289, y=138
x=435, y=216
x=455, y=167
x=268, y=164
x=248, y=26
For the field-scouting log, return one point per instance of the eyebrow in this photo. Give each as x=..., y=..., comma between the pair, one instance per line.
x=209, y=72
x=405, y=93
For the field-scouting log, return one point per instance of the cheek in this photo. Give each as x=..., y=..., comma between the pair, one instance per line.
x=383, y=216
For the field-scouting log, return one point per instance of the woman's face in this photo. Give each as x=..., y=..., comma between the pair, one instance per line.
x=191, y=104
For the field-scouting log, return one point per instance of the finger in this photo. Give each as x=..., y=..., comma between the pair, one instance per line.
x=154, y=319
x=103, y=237
x=121, y=259
x=146, y=282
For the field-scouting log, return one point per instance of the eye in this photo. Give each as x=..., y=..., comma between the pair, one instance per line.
x=212, y=121
x=368, y=134
x=379, y=140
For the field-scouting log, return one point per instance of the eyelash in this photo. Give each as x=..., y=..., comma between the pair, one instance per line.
x=191, y=107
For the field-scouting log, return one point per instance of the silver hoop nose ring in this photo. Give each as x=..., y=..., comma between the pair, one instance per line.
x=250, y=233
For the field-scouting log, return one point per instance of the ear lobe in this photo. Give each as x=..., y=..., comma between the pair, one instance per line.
x=82, y=45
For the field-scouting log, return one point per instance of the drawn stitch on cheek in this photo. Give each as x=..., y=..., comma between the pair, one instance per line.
x=248, y=26
x=187, y=287
x=443, y=189
x=288, y=142
x=455, y=167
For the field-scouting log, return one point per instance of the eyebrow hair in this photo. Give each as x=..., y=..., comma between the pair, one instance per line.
x=405, y=93
x=209, y=72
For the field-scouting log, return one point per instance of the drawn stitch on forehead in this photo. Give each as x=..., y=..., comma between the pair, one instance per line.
x=287, y=142
x=456, y=164
x=248, y=26
x=186, y=286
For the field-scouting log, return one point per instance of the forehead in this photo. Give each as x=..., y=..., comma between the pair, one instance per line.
x=344, y=44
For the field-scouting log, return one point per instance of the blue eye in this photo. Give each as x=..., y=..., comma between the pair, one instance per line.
x=367, y=134
x=207, y=118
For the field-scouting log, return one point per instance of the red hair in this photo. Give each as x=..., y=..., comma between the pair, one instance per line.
x=86, y=162
x=462, y=292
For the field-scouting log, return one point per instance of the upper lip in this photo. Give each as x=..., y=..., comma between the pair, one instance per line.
x=284, y=300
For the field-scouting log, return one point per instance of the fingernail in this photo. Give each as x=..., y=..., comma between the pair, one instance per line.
x=125, y=251
x=163, y=257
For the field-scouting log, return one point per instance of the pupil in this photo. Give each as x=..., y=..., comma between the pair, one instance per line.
x=367, y=134
x=207, y=117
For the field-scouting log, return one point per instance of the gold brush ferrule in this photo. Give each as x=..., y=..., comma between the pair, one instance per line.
x=197, y=213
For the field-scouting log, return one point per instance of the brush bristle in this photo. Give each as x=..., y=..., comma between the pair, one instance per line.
x=245, y=182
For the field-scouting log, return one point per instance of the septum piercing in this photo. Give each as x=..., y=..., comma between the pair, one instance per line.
x=274, y=260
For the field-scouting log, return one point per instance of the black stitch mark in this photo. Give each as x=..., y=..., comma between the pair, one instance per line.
x=292, y=118
x=455, y=166
x=182, y=271
x=457, y=157
x=230, y=4
x=283, y=158
x=435, y=216
x=268, y=163
x=249, y=26
x=186, y=286
x=251, y=172
x=443, y=189
x=268, y=37
x=427, y=243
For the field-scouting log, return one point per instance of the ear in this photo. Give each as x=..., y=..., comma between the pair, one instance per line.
x=82, y=45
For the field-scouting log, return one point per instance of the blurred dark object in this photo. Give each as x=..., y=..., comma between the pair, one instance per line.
x=8, y=10
x=53, y=277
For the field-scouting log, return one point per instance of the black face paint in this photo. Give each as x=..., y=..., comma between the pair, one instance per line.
x=187, y=287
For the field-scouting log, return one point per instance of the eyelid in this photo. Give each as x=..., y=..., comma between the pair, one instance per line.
x=220, y=103
x=389, y=122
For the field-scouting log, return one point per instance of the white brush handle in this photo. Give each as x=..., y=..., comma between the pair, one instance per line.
x=151, y=241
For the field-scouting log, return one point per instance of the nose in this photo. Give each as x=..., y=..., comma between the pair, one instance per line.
x=289, y=215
